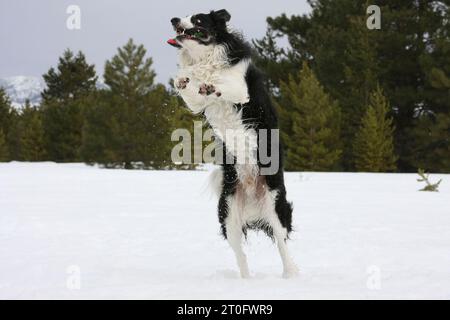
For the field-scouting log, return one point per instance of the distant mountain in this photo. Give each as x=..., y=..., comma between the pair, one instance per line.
x=21, y=88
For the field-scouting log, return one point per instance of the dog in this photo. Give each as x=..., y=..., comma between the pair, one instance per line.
x=217, y=78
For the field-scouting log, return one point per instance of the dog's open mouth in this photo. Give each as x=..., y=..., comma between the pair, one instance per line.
x=197, y=34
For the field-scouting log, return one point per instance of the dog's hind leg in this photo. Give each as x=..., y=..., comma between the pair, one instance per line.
x=234, y=234
x=278, y=210
x=289, y=267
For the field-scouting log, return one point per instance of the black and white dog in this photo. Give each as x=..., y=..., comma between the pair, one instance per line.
x=217, y=78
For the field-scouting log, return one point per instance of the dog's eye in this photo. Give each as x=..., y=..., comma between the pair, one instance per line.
x=199, y=34
x=199, y=21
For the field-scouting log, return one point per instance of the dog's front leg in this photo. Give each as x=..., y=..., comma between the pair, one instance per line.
x=187, y=87
x=233, y=88
x=229, y=89
x=228, y=84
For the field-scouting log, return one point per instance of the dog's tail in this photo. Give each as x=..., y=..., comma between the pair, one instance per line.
x=215, y=181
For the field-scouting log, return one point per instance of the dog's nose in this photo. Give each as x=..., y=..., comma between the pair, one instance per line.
x=175, y=21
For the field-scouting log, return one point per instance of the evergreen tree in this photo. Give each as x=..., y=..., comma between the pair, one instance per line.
x=128, y=125
x=31, y=134
x=63, y=100
x=336, y=43
x=429, y=136
x=8, y=122
x=273, y=60
x=13, y=136
x=5, y=111
x=74, y=78
x=432, y=147
x=129, y=73
x=99, y=142
x=350, y=59
x=62, y=125
x=4, y=153
x=373, y=145
x=360, y=79
x=310, y=127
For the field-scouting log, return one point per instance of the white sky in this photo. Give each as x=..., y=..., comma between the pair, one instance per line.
x=33, y=34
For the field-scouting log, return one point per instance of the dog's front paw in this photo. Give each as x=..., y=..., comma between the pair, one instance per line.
x=181, y=83
x=208, y=89
x=244, y=100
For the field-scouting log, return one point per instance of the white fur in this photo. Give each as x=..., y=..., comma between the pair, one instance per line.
x=186, y=22
x=279, y=232
x=245, y=209
x=233, y=225
x=208, y=65
x=240, y=140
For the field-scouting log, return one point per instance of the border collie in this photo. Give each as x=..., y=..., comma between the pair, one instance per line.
x=218, y=79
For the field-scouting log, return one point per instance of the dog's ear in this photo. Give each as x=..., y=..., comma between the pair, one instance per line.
x=221, y=15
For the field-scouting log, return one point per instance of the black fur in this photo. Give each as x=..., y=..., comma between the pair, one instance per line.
x=259, y=113
x=215, y=24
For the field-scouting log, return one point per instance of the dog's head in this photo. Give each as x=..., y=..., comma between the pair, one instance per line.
x=198, y=31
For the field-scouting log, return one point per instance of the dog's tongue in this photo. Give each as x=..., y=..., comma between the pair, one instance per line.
x=174, y=42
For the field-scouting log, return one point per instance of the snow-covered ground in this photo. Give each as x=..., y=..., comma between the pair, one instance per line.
x=72, y=231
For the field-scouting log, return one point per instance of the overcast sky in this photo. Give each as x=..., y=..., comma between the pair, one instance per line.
x=33, y=34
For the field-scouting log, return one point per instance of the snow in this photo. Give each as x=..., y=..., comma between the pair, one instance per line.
x=21, y=88
x=155, y=235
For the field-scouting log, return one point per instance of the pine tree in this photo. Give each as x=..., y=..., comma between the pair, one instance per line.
x=349, y=59
x=273, y=60
x=74, y=78
x=128, y=125
x=432, y=147
x=429, y=137
x=310, y=127
x=13, y=136
x=4, y=153
x=5, y=111
x=360, y=79
x=8, y=121
x=31, y=134
x=129, y=73
x=63, y=100
x=373, y=146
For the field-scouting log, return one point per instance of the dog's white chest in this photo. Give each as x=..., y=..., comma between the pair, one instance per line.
x=240, y=140
x=202, y=73
x=230, y=88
